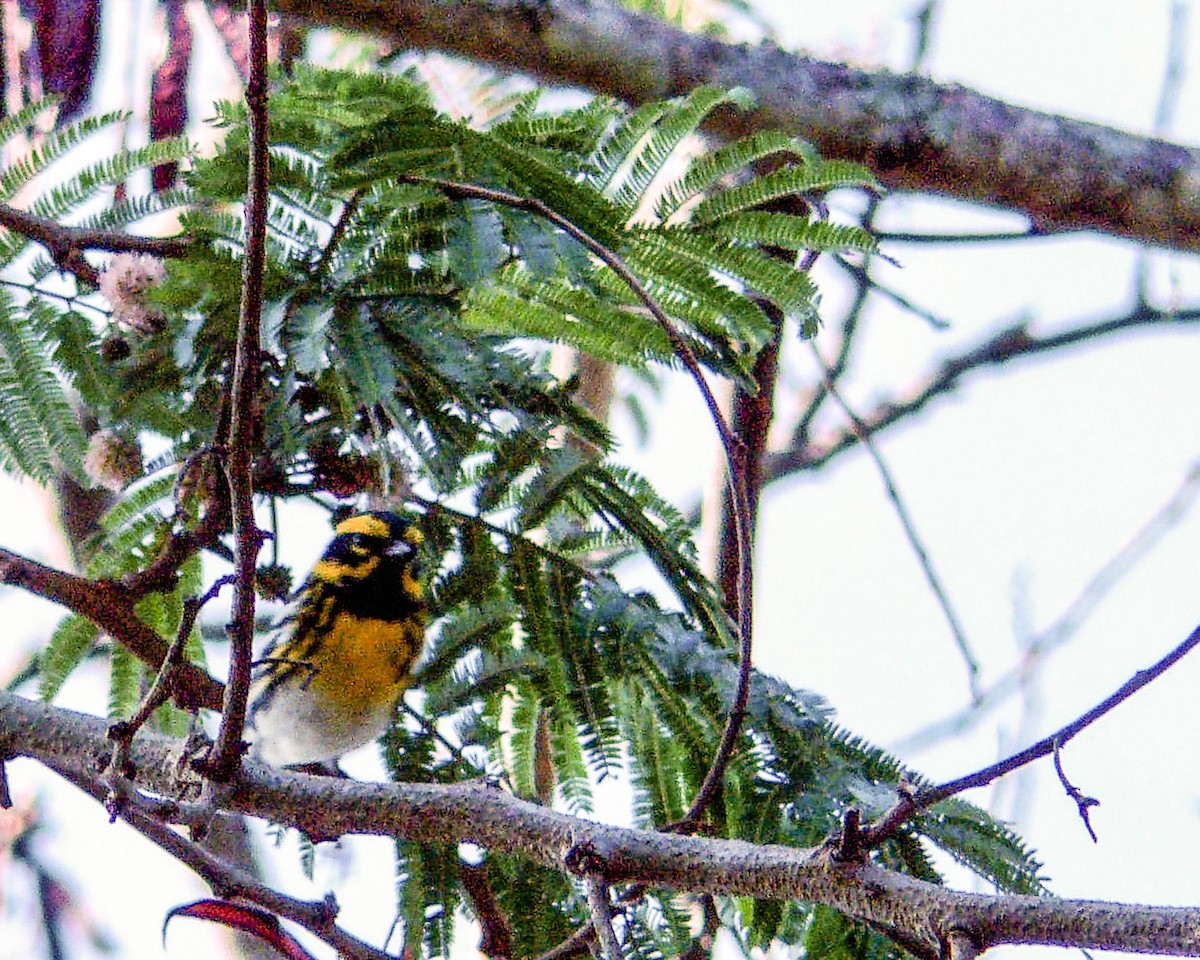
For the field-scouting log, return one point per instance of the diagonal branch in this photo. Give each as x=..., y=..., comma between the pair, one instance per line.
x=912, y=801
x=1046, y=641
x=1012, y=344
x=910, y=529
x=110, y=605
x=913, y=133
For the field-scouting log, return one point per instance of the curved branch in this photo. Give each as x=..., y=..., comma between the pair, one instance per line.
x=913, y=133
x=732, y=445
x=328, y=806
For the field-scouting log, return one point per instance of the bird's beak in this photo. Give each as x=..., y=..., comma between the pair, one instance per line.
x=399, y=549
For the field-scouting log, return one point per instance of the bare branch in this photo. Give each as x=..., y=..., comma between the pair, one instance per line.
x=496, y=940
x=1123, y=562
x=914, y=134
x=327, y=806
x=247, y=538
x=1013, y=343
x=110, y=605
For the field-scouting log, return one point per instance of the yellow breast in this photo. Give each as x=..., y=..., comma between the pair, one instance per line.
x=365, y=662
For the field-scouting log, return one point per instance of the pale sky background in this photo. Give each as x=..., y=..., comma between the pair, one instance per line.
x=1033, y=475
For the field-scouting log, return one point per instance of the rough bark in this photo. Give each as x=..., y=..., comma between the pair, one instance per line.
x=925, y=914
x=915, y=134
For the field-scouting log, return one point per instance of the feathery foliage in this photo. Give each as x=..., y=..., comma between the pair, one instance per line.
x=418, y=269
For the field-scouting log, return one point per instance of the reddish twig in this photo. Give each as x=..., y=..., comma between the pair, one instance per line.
x=227, y=750
x=110, y=605
x=496, y=940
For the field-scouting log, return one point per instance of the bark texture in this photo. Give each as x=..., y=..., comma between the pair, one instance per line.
x=924, y=914
x=913, y=133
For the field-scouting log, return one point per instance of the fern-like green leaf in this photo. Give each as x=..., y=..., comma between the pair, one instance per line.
x=794, y=233
x=787, y=181
x=70, y=643
x=39, y=433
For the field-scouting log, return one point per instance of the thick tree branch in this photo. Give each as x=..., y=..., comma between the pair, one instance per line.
x=327, y=806
x=913, y=133
x=67, y=244
x=110, y=605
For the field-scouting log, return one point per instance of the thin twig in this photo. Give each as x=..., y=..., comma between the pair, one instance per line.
x=601, y=910
x=455, y=751
x=340, y=229
x=1046, y=745
x=910, y=530
x=1055, y=636
x=860, y=273
x=1082, y=801
x=577, y=944
x=910, y=802
x=227, y=750
x=1012, y=343
x=160, y=689
x=923, y=20
x=863, y=288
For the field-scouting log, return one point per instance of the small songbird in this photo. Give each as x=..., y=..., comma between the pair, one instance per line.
x=331, y=680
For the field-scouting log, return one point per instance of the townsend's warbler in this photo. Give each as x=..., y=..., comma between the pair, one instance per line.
x=332, y=678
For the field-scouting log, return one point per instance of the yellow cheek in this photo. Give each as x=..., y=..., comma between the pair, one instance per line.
x=411, y=586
